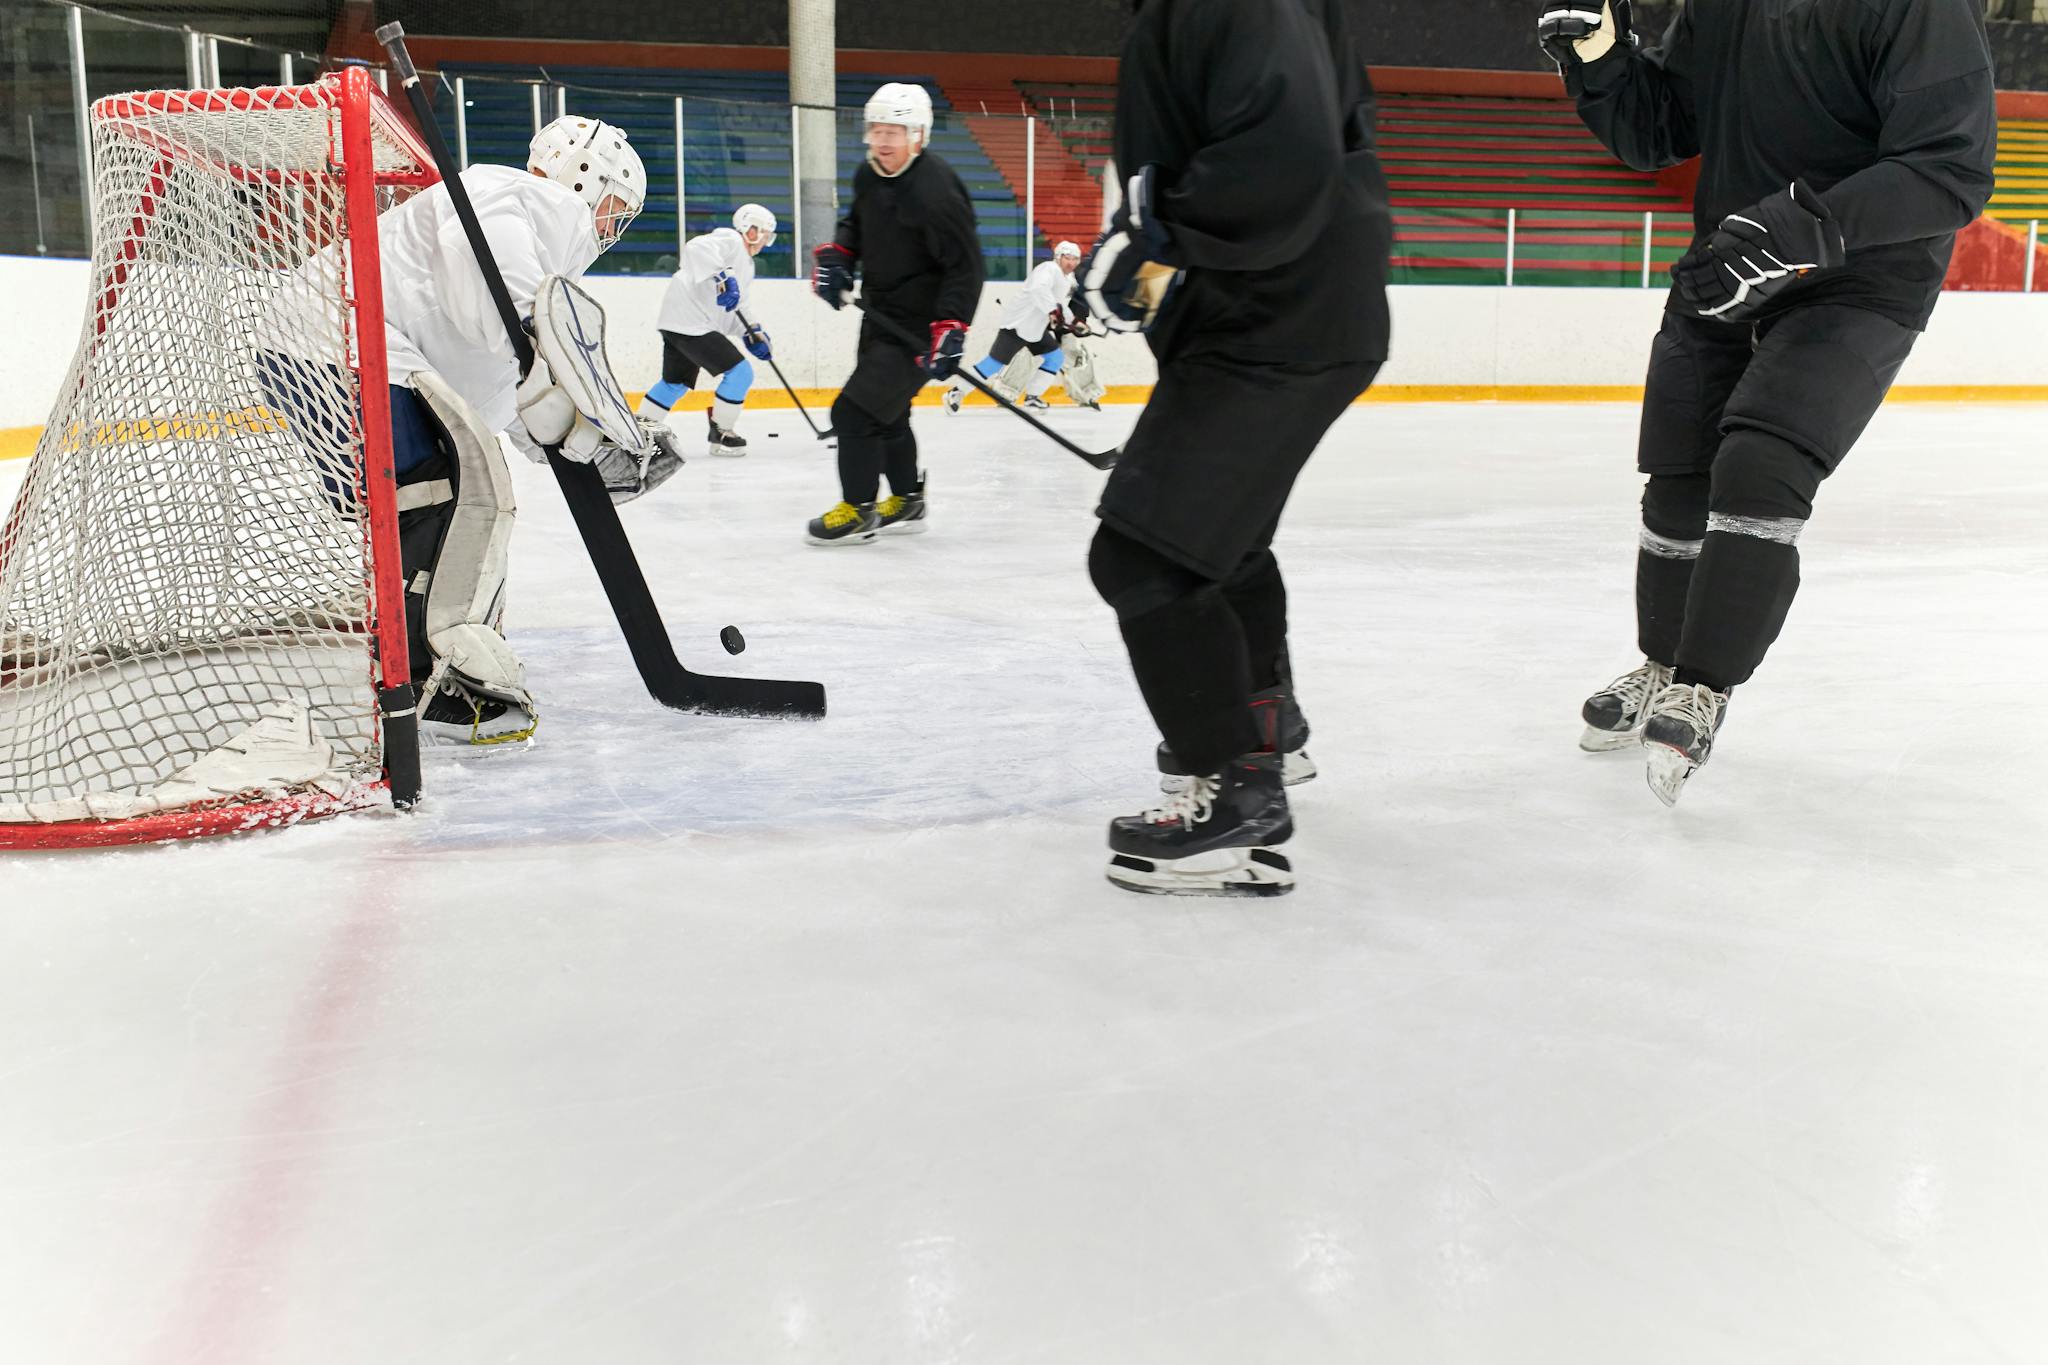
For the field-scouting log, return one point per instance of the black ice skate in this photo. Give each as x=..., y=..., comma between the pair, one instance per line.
x=1678, y=735
x=724, y=441
x=903, y=514
x=955, y=391
x=845, y=524
x=1038, y=402
x=1614, y=714
x=1220, y=837
x=1296, y=766
x=456, y=715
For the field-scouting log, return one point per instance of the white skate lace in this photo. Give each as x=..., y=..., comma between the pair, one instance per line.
x=1188, y=807
x=1637, y=686
x=1697, y=704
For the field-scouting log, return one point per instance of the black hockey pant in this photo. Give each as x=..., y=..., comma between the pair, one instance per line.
x=871, y=419
x=1740, y=426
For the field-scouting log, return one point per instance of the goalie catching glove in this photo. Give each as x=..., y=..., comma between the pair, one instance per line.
x=570, y=398
x=1759, y=253
x=1131, y=271
x=1576, y=32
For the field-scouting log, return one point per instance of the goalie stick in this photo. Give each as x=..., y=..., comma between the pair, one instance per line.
x=824, y=435
x=597, y=520
x=1105, y=459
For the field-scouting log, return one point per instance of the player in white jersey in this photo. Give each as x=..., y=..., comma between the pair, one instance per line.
x=1034, y=322
x=700, y=320
x=455, y=386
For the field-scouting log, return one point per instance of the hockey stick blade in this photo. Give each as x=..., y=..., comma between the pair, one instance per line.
x=802, y=412
x=596, y=517
x=1105, y=459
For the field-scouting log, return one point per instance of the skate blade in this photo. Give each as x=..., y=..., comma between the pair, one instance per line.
x=1296, y=768
x=865, y=538
x=1225, y=872
x=906, y=528
x=1666, y=769
x=1598, y=741
x=721, y=453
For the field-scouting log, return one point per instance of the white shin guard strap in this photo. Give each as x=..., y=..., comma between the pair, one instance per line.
x=1779, y=530
x=1664, y=547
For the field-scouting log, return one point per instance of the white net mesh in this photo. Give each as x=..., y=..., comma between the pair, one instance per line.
x=189, y=551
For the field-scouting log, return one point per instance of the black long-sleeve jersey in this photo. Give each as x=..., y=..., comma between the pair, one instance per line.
x=1259, y=115
x=1886, y=107
x=914, y=235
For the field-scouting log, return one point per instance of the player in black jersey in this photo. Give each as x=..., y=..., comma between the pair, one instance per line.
x=1842, y=144
x=911, y=231
x=1252, y=247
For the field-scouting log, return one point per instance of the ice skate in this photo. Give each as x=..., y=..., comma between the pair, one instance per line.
x=1678, y=735
x=1220, y=837
x=726, y=442
x=1614, y=715
x=845, y=524
x=903, y=514
x=456, y=715
x=1296, y=766
x=954, y=392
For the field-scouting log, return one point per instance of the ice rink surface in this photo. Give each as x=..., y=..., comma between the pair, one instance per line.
x=683, y=1040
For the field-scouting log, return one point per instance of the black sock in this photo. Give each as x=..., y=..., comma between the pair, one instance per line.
x=1742, y=590
x=1189, y=658
x=1258, y=595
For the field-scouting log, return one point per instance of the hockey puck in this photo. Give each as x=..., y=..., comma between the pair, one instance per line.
x=731, y=638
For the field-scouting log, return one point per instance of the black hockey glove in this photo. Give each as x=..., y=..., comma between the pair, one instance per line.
x=1126, y=279
x=1575, y=32
x=1758, y=253
x=832, y=274
x=949, y=343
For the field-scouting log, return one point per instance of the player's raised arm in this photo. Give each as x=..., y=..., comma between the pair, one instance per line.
x=1639, y=102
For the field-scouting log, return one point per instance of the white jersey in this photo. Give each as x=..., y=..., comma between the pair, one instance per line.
x=690, y=307
x=1048, y=288
x=438, y=313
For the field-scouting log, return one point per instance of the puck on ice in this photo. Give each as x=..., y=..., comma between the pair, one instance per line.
x=731, y=638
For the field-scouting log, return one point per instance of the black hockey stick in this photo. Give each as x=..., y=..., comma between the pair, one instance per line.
x=824, y=435
x=597, y=520
x=1101, y=460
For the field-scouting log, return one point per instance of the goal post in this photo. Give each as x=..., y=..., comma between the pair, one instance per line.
x=202, y=621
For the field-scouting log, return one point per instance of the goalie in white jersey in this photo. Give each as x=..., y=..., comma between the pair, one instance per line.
x=1034, y=323
x=455, y=385
x=702, y=324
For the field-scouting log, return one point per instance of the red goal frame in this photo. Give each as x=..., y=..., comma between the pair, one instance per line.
x=365, y=116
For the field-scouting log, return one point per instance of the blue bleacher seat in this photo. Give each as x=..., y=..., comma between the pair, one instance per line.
x=736, y=149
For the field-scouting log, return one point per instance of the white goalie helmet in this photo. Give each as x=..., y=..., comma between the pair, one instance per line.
x=904, y=104
x=595, y=160
x=1066, y=250
x=755, y=216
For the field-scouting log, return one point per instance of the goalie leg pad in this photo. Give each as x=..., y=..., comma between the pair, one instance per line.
x=465, y=593
x=1082, y=385
x=568, y=331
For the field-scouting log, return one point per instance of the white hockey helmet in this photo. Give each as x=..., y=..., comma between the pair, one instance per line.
x=755, y=216
x=907, y=105
x=1066, y=249
x=596, y=161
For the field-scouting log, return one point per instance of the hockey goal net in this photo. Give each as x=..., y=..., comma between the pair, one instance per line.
x=201, y=612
